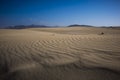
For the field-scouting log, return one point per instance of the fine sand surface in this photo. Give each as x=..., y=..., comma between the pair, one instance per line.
x=75, y=53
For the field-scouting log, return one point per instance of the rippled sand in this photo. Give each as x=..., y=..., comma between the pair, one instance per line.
x=75, y=53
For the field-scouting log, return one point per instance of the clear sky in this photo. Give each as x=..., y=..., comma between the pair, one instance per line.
x=60, y=12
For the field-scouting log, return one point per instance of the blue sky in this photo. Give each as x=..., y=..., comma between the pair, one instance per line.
x=60, y=12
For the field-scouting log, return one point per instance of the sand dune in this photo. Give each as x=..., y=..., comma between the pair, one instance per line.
x=75, y=53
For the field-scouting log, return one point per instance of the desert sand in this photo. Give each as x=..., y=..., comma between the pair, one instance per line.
x=74, y=53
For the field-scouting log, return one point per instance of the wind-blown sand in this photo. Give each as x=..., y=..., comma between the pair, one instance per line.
x=75, y=53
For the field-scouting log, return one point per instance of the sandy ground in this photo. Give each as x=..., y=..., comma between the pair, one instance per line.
x=60, y=54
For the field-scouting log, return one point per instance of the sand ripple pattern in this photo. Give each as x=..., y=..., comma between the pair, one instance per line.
x=41, y=52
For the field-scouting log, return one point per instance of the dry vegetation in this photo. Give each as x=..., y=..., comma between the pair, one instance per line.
x=74, y=53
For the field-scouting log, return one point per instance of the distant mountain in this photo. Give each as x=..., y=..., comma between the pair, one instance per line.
x=26, y=26
x=111, y=27
x=77, y=25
